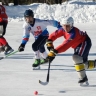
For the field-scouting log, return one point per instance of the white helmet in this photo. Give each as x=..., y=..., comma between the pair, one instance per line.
x=67, y=21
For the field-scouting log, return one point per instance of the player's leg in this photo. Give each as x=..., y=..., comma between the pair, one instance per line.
x=43, y=50
x=89, y=64
x=80, y=68
x=80, y=56
x=40, y=41
x=35, y=47
x=8, y=49
x=5, y=45
x=37, y=59
x=44, y=54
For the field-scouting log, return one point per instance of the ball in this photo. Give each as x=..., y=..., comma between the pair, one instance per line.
x=36, y=93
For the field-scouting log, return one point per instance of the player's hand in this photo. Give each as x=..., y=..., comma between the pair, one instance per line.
x=49, y=44
x=52, y=54
x=21, y=48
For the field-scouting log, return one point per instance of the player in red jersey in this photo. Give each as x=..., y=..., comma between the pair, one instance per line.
x=79, y=41
x=4, y=46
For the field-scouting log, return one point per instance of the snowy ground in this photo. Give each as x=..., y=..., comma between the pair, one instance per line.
x=18, y=79
x=80, y=10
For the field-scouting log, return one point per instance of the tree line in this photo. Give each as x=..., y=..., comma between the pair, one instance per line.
x=25, y=2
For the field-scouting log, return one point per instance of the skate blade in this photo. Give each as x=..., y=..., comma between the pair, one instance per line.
x=9, y=52
x=84, y=84
x=36, y=68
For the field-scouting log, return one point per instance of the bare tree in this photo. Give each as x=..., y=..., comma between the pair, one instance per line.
x=5, y=2
x=58, y=1
x=16, y=2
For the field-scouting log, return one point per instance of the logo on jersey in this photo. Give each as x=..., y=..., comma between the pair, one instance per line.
x=29, y=28
x=38, y=31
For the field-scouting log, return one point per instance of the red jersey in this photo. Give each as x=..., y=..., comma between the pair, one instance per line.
x=3, y=15
x=72, y=38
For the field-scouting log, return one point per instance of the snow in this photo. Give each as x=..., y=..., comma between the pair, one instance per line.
x=81, y=11
x=16, y=75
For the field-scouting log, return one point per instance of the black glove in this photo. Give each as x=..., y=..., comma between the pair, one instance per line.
x=52, y=54
x=49, y=44
x=21, y=47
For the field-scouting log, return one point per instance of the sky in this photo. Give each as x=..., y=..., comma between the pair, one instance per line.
x=17, y=78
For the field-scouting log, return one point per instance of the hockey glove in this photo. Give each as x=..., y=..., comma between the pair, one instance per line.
x=52, y=54
x=49, y=44
x=21, y=48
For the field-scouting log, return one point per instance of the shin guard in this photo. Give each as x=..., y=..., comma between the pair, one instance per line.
x=90, y=64
x=80, y=68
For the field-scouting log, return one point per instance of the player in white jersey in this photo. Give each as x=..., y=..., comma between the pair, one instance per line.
x=38, y=28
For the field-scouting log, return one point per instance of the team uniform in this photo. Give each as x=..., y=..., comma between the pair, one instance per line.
x=76, y=39
x=39, y=30
x=80, y=42
x=4, y=46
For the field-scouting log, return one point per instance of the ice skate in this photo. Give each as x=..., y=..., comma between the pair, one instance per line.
x=36, y=64
x=43, y=61
x=36, y=68
x=8, y=50
x=84, y=81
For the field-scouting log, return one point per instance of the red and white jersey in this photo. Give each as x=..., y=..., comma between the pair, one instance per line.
x=3, y=15
x=71, y=39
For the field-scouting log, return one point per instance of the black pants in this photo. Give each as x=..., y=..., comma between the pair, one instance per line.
x=4, y=28
x=39, y=44
x=83, y=49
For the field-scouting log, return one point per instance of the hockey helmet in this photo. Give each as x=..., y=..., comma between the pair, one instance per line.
x=68, y=21
x=28, y=12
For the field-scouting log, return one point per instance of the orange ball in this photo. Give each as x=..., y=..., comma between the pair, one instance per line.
x=36, y=93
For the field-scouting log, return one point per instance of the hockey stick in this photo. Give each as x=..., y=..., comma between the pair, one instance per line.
x=9, y=55
x=47, y=79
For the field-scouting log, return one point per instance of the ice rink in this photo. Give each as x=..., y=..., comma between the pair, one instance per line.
x=18, y=79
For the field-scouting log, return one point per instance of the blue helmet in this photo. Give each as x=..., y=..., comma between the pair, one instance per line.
x=28, y=12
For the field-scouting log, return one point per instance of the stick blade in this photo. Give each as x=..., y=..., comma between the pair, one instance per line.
x=43, y=83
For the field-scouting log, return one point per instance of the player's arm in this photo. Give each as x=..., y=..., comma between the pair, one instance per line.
x=66, y=44
x=57, y=24
x=61, y=48
x=25, y=39
x=52, y=37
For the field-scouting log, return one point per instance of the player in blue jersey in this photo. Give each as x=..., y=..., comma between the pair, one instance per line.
x=38, y=28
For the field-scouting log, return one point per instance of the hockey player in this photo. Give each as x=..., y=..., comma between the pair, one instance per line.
x=38, y=29
x=4, y=46
x=76, y=39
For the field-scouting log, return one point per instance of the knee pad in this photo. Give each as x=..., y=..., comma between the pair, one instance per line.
x=79, y=67
x=90, y=64
x=77, y=59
